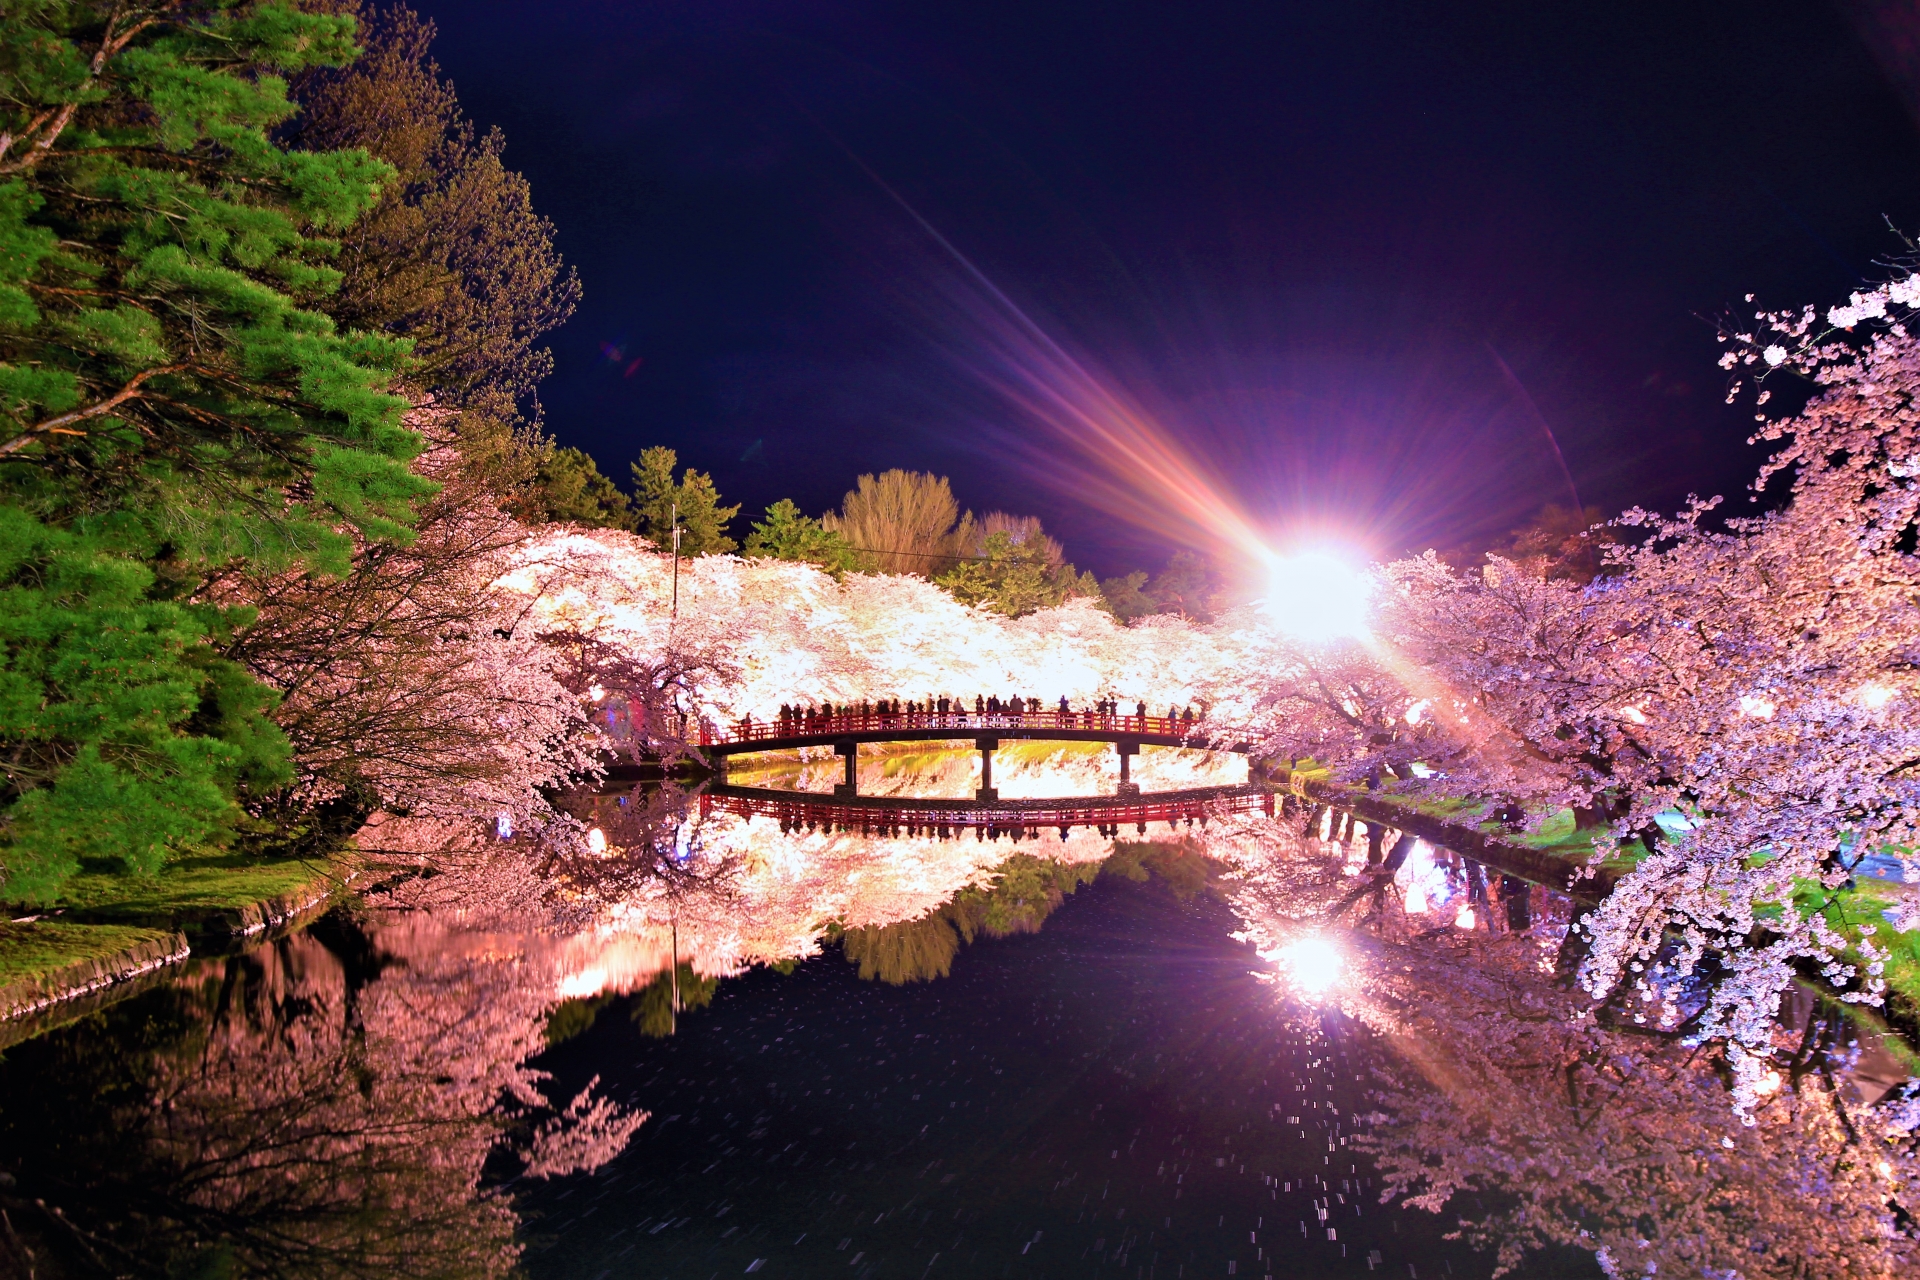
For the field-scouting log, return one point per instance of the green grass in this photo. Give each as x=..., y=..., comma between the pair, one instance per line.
x=207, y=882
x=106, y=910
x=34, y=950
x=1848, y=909
x=1557, y=834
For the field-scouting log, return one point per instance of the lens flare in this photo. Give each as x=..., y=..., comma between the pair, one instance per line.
x=1312, y=963
x=1316, y=597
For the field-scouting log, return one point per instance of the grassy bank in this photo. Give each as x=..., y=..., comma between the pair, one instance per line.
x=106, y=919
x=1462, y=825
x=31, y=951
x=191, y=888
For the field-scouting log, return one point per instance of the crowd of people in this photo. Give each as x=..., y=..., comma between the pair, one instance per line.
x=987, y=711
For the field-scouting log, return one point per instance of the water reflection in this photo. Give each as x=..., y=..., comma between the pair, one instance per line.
x=1538, y=1119
x=324, y=1105
x=1021, y=770
x=1235, y=1047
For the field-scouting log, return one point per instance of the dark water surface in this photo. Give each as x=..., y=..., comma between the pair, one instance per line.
x=1073, y=1064
x=1114, y=1095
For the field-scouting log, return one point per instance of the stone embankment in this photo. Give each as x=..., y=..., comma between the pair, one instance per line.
x=130, y=946
x=83, y=977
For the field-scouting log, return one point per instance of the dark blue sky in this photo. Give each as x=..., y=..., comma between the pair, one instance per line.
x=1307, y=237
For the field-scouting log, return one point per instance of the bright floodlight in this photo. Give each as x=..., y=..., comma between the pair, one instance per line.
x=1317, y=597
x=1312, y=963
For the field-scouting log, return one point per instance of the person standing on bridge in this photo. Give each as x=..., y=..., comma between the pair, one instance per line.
x=1065, y=709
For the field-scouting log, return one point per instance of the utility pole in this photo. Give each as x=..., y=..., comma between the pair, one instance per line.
x=674, y=969
x=675, y=520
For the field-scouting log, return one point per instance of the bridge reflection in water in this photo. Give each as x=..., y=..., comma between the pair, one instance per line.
x=989, y=819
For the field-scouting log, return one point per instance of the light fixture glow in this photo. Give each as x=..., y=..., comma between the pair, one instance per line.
x=1875, y=696
x=1312, y=963
x=1317, y=597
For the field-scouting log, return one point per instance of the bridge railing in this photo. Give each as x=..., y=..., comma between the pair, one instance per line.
x=1029, y=815
x=962, y=723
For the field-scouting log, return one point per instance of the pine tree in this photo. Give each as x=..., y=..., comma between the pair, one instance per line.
x=1127, y=597
x=453, y=255
x=786, y=534
x=703, y=521
x=172, y=398
x=572, y=488
x=1016, y=578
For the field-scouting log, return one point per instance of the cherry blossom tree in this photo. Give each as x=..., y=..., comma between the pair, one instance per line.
x=1537, y=1116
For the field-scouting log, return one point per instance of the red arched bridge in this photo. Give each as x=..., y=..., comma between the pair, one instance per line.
x=845, y=730
x=990, y=819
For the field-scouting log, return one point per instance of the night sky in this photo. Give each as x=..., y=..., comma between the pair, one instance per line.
x=1358, y=259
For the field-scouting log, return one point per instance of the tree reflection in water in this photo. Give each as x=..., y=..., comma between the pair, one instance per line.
x=322, y=1106
x=352, y=1100
x=1565, y=1122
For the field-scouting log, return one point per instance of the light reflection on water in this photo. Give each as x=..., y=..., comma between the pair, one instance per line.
x=1021, y=770
x=877, y=1056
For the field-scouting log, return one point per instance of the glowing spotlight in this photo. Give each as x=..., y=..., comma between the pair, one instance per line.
x=1317, y=597
x=597, y=842
x=1312, y=963
x=1463, y=919
x=588, y=982
x=1875, y=696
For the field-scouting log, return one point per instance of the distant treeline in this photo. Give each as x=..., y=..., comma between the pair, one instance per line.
x=895, y=522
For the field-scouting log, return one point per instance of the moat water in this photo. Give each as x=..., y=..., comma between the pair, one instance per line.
x=1075, y=1067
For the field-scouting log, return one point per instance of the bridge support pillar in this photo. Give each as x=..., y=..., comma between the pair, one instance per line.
x=1127, y=750
x=850, y=751
x=987, y=747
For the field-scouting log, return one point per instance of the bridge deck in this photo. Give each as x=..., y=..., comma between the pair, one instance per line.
x=932, y=726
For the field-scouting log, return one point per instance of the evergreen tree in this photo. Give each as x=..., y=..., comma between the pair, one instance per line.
x=453, y=255
x=1127, y=597
x=572, y=488
x=1016, y=578
x=786, y=534
x=1190, y=587
x=171, y=398
x=703, y=521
